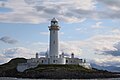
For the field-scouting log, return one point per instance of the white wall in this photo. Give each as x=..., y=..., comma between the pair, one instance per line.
x=53, y=44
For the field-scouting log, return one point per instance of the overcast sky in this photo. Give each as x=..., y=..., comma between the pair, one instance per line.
x=89, y=28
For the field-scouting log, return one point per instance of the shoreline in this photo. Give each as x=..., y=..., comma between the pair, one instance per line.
x=13, y=78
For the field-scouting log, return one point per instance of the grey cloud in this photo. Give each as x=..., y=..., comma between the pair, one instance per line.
x=66, y=54
x=18, y=52
x=108, y=14
x=82, y=13
x=101, y=14
x=110, y=2
x=42, y=53
x=51, y=11
x=30, y=1
x=3, y=58
x=61, y=10
x=64, y=10
x=113, y=52
x=8, y=40
x=9, y=53
x=50, y=8
x=3, y=0
x=106, y=63
x=39, y=8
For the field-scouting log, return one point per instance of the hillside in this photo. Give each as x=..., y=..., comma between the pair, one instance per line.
x=9, y=68
x=12, y=63
x=52, y=71
x=108, y=68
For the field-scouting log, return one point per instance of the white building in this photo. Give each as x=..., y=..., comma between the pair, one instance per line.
x=53, y=56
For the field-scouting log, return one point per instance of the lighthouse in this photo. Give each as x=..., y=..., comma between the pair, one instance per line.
x=54, y=44
x=52, y=56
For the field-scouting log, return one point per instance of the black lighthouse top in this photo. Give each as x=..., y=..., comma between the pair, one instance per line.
x=54, y=24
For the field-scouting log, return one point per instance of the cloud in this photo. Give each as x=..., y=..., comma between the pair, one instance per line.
x=3, y=0
x=66, y=55
x=97, y=25
x=107, y=61
x=111, y=9
x=71, y=47
x=112, y=4
x=18, y=52
x=9, y=53
x=106, y=49
x=3, y=59
x=94, y=45
x=115, y=52
x=8, y=40
x=37, y=11
x=42, y=53
x=103, y=42
x=116, y=31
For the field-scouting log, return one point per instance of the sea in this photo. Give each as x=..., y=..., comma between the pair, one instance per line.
x=8, y=78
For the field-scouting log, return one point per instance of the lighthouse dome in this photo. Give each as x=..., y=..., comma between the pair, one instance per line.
x=54, y=22
x=54, y=19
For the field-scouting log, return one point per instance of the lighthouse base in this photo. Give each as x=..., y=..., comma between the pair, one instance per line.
x=34, y=62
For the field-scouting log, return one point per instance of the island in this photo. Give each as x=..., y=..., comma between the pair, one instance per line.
x=53, y=71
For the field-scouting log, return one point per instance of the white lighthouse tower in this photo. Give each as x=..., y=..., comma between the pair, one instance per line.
x=53, y=47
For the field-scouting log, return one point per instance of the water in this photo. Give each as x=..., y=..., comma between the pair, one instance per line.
x=7, y=78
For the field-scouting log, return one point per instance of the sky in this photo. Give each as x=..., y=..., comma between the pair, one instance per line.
x=89, y=28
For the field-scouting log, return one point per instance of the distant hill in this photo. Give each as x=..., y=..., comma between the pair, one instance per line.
x=108, y=68
x=53, y=71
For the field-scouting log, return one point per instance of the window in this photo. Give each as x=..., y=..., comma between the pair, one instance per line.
x=53, y=61
x=66, y=61
x=42, y=61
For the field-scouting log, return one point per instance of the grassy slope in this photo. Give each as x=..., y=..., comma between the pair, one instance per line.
x=10, y=67
x=42, y=68
x=12, y=63
x=65, y=72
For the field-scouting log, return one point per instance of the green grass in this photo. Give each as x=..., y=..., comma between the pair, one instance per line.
x=42, y=68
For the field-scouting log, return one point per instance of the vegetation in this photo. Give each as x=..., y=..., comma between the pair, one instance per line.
x=53, y=71
x=9, y=69
x=12, y=64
